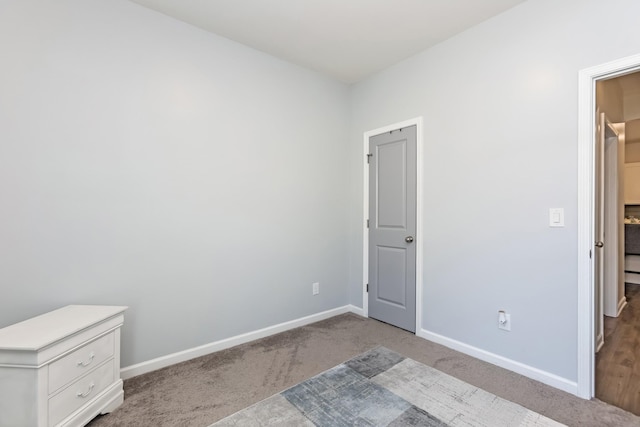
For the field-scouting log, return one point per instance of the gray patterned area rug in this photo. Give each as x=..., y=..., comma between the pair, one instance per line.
x=383, y=388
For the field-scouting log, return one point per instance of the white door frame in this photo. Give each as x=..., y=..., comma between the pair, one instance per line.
x=365, y=231
x=586, y=218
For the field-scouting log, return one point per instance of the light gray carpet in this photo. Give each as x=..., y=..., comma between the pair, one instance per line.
x=202, y=391
x=381, y=388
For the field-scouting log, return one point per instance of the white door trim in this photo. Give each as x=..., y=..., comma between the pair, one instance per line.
x=365, y=210
x=586, y=217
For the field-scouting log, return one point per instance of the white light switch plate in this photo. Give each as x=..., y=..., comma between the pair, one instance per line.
x=556, y=217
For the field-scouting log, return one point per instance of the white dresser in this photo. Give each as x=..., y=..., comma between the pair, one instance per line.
x=61, y=368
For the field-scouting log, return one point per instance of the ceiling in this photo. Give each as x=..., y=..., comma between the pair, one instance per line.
x=345, y=39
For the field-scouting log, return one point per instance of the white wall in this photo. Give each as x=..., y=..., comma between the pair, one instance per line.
x=632, y=105
x=632, y=152
x=147, y=163
x=609, y=99
x=499, y=103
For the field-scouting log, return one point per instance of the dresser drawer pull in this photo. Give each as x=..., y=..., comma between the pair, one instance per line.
x=83, y=395
x=83, y=364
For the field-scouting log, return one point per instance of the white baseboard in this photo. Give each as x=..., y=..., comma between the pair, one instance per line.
x=181, y=356
x=171, y=359
x=356, y=310
x=599, y=341
x=621, y=305
x=520, y=368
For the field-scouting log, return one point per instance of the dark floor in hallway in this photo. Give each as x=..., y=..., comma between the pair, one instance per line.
x=618, y=362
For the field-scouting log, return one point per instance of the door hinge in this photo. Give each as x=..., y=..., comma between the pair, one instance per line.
x=369, y=156
x=367, y=223
x=589, y=253
x=367, y=287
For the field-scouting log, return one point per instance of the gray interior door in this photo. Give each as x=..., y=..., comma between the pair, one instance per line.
x=392, y=227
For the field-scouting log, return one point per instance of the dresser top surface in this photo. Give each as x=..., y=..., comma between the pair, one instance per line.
x=38, y=332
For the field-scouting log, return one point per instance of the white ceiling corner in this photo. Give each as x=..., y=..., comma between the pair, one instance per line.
x=345, y=39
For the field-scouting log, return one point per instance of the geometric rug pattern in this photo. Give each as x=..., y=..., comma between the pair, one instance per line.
x=383, y=388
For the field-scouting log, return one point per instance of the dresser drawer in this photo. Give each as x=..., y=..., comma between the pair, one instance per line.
x=79, y=362
x=80, y=392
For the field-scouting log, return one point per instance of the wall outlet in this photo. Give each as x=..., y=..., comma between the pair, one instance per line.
x=504, y=320
x=316, y=288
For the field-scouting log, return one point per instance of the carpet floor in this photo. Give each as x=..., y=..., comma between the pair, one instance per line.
x=202, y=391
x=382, y=388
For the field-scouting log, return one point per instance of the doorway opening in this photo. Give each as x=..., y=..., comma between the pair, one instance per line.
x=617, y=355
x=593, y=262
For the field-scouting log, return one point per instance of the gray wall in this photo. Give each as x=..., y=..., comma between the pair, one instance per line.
x=147, y=163
x=499, y=103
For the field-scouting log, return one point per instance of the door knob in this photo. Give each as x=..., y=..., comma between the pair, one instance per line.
x=408, y=239
x=599, y=244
